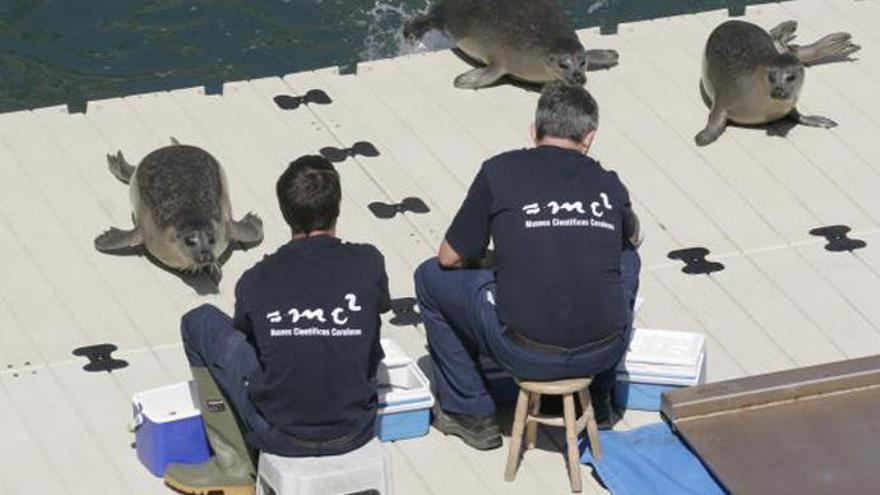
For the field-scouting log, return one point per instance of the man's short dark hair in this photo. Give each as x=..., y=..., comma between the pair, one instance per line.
x=309, y=194
x=567, y=112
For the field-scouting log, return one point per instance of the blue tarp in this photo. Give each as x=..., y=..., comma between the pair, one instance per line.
x=650, y=460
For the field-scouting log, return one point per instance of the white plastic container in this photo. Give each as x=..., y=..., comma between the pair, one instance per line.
x=405, y=397
x=365, y=470
x=658, y=360
x=169, y=427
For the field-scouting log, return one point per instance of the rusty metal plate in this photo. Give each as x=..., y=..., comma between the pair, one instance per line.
x=820, y=435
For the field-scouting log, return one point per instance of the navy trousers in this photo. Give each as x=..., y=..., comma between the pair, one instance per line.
x=210, y=341
x=461, y=323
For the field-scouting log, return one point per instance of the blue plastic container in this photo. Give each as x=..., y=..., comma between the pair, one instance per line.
x=405, y=397
x=169, y=428
x=640, y=396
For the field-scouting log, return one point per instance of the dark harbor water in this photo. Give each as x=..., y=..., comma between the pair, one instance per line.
x=72, y=51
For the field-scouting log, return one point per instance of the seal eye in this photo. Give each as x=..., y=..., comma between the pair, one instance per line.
x=190, y=241
x=790, y=77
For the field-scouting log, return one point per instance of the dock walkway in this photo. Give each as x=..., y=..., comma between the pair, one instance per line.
x=782, y=301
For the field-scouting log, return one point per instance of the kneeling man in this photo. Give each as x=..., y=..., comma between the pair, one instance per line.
x=294, y=372
x=558, y=301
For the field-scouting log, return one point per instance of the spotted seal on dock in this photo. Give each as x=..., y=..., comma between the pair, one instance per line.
x=753, y=77
x=530, y=40
x=181, y=210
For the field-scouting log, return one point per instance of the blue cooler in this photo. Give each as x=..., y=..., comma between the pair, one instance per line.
x=405, y=397
x=656, y=361
x=169, y=428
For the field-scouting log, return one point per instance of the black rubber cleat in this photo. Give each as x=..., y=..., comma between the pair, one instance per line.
x=480, y=432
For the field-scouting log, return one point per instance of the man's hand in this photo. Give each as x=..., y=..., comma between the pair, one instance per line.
x=449, y=257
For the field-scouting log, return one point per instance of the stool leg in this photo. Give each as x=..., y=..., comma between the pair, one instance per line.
x=571, y=439
x=592, y=427
x=516, y=435
x=532, y=426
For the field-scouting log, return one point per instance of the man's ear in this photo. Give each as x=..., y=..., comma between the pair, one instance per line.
x=533, y=133
x=588, y=140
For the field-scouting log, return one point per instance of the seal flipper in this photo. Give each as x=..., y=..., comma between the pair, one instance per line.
x=479, y=78
x=834, y=47
x=714, y=127
x=120, y=168
x=601, y=59
x=248, y=231
x=812, y=120
x=783, y=34
x=114, y=240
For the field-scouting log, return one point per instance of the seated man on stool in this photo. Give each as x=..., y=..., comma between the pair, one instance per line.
x=297, y=364
x=558, y=303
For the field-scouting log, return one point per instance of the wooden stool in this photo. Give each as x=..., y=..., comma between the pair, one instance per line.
x=528, y=416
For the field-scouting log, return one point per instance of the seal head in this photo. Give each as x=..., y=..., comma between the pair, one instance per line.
x=785, y=76
x=567, y=62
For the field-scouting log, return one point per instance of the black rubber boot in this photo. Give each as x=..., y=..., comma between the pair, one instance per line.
x=230, y=471
x=480, y=432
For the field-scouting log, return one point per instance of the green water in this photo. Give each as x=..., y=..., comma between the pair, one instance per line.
x=72, y=51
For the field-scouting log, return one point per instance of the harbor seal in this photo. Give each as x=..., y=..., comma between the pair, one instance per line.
x=181, y=210
x=753, y=77
x=529, y=40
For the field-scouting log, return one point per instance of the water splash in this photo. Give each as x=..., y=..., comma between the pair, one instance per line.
x=384, y=38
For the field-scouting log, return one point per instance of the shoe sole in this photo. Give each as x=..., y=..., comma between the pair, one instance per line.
x=452, y=428
x=211, y=490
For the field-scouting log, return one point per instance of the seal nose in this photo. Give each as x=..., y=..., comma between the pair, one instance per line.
x=577, y=79
x=205, y=257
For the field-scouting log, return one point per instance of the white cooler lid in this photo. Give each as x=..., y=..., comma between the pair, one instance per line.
x=665, y=348
x=164, y=404
x=402, y=385
x=394, y=355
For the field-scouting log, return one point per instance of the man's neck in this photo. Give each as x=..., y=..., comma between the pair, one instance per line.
x=299, y=236
x=562, y=143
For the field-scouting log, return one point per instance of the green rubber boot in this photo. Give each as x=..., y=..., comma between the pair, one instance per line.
x=230, y=471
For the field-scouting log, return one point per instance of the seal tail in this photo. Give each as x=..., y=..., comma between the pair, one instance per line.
x=416, y=27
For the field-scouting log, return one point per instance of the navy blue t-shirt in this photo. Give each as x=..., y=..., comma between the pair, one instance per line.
x=556, y=218
x=311, y=309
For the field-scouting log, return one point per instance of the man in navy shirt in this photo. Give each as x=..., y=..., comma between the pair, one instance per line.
x=558, y=303
x=297, y=363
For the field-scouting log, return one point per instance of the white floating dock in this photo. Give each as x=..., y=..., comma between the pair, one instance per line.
x=782, y=301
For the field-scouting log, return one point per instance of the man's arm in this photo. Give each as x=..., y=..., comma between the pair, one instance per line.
x=384, y=293
x=241, y=320
x=468, y=235
x=632, y=228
